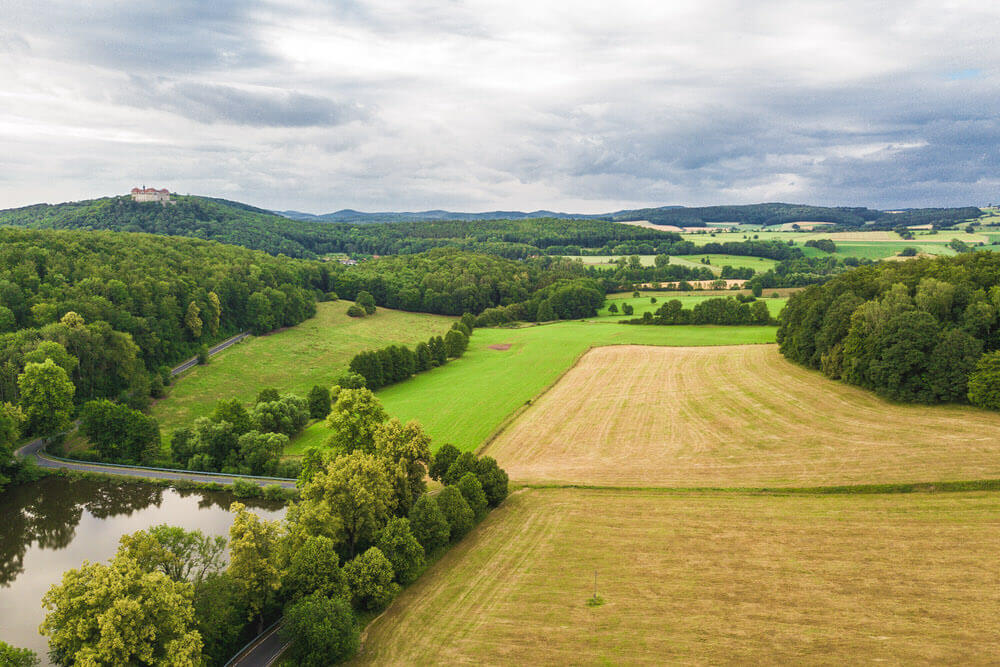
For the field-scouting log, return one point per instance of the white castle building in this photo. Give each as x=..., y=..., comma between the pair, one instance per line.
x=150, y=194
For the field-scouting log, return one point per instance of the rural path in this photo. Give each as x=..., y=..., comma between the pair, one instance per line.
x=263, y=651
x=36, y=450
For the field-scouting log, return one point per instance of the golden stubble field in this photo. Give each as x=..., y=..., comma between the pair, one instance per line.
x=708, y=578
x=739, y=416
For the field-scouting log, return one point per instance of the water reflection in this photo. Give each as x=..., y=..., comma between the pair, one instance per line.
x=47, y=513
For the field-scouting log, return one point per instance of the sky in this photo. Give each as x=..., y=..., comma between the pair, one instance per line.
x=479, y=105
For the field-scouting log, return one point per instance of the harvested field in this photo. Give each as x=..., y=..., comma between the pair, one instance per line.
x=708, y=578
x=738, y=416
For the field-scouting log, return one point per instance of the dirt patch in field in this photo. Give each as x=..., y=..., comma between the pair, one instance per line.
x=499, y=346
x=707, y=579
x=738, y=416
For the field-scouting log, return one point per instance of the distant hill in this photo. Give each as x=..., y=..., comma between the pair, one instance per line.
x=750, y=214
x=360, y=217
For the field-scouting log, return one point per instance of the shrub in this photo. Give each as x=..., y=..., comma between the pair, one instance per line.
x=429, y=524
x=244, y=488
x=319, y=402
x=273, y=492
x=267, y=395
x=321, y=631
x=350, y=380
x=203, y=355
x=456, y=512
x=355, y=311
x=402, y=549
x=371, y=580
x=366, y=301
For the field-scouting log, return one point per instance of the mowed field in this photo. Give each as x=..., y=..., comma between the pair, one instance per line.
x=642, y=304
x=738, y=416
x=293, y=360
x=707, y=579
x=465, y=401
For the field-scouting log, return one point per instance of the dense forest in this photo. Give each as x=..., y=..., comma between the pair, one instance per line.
x=110, y=307
x=777, y=214
x=239, y=224
x=912, y=331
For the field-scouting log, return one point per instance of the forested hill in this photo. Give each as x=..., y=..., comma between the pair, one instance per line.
x=239, y=224
x=360, y=217
x=777, y=214
x=916, y=331
x=140, y=301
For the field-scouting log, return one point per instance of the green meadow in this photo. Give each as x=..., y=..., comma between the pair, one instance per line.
x=292, y=360
x=464, y=402
x=642, y=304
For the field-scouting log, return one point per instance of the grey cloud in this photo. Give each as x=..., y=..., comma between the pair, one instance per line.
x=214, y=103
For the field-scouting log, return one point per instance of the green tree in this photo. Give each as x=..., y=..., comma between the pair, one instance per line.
x=443, y=458
x=355, y=311
x=407, y=450
x=439, y=352
x=349, y=499
x=11, y=421
x=429, y=524
x=493, y=478
x=350, y=380
x=314, y=567
x=456, y=512
x=49, y=349
x=120, y=614
x=401, y=547
x=234, y=412
x=319, y=402
x=192, y=321
x=220, y=607
x=182, y=555
x=120, y=433
x=984, y=382
x=545, y=312
x=253, y=559
x=354, y=419
x=46, y=397
x=321, y=630
x=424, y=360
x=213, y=312
x=17, y=657
x=455, y=343
x=267, y=395
x=463, y=463
x=371, y=580
x=366, y=301
x=472, y=490
x=613, y=308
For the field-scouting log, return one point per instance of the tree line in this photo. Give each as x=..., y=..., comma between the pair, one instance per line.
x=396, y=363
x=740, y=310
x=364, y=526
x=923, y=331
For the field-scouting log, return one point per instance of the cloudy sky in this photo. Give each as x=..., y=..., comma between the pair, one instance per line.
x=493, y=104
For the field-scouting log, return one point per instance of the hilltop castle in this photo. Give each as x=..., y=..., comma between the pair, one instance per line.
x=151, y=194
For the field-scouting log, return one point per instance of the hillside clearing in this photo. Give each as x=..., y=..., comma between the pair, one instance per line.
x=734, y=417
x=292, y=360
x=468, y=399
x=708, y=578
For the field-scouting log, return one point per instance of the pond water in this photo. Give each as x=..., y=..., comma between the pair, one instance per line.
x=52, y=525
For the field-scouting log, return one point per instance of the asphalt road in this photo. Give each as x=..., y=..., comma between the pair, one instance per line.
x=264, y=651
x=34, y=450
x=193, y=361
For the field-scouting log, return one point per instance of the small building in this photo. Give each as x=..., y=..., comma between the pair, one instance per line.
x=151, y=194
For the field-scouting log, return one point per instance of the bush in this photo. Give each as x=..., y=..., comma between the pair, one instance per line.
x=402, y=549
x=456, y=512
x=472, y=490
x=203, y=355
x=273, y=492
x=371, y=580
x=366, y=301
x=321, y=631
x=244, y=488
x=355, y=311
x=350, y=380
x=984, y=382
x=267, y=395
x=429, y=524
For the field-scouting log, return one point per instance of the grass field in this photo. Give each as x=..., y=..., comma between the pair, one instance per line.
x=734, y=417
x=465, y=401
x=708, y=579
x=760, y=264
x=292, y=360
x=641, y=305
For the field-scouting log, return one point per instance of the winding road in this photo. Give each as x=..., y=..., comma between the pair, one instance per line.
x=35, y=450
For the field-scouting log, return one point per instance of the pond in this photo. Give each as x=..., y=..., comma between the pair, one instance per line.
x=52, y=525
